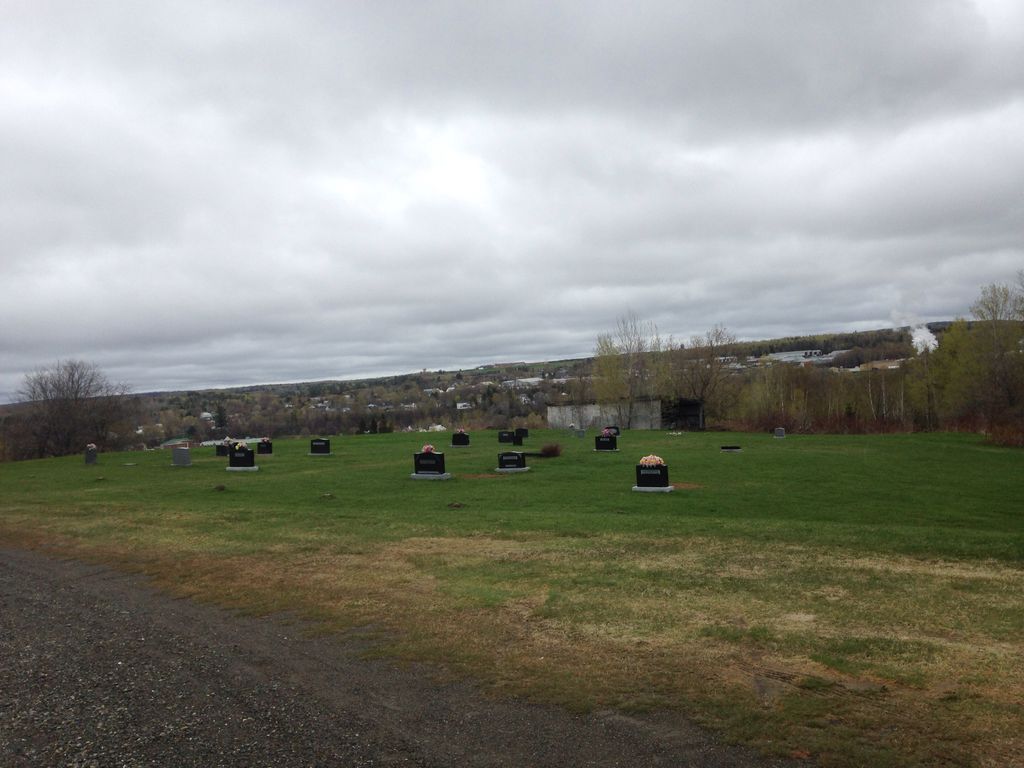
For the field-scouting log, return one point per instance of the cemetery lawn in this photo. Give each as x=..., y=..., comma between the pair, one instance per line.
x=858, y=600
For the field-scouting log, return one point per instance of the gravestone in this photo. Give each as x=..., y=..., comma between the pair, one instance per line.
x=265, y=447
x=606, y=443
x=522, y=432
x=652, y=479
x=319, y=446
x=429, y=466
x=90, y=454
x=511, y=461
x=181, y=457
x=506, y=436
x=242, y=458
x=780, y=432
x=460, y=439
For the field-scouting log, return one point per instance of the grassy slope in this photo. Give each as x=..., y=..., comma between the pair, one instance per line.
x=858, y=598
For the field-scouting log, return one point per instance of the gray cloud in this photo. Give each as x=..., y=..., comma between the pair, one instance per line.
x=199, y=194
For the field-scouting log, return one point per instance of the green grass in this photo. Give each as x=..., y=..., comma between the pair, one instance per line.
x=860, y=598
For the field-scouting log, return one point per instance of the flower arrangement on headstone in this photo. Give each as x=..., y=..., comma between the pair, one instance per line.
x=613, y=429
x=460, y=438
x=241, y=458
x=319, y=446
x=511, y=461
x=606, y=441
x=652, y=475
x=265, y=446
x=428, y=464
x=91, y=451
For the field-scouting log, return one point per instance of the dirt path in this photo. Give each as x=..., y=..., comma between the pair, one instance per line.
x=98, y=669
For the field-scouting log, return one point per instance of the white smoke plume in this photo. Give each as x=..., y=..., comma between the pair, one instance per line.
x=923, y=339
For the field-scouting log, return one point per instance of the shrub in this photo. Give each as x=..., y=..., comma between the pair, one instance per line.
x=1009, y=435
x=551, y=450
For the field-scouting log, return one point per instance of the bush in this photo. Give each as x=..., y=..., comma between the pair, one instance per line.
x=551, y=450
x=1008, y=435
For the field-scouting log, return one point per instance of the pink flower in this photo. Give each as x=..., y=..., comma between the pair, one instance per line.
x=652, y=461
x=428, y=448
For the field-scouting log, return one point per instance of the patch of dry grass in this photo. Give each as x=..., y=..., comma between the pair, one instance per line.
x=899, y=654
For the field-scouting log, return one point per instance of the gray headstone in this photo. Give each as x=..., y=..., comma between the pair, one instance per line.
x=780, y=432
x=90, y=455
x=182, y=457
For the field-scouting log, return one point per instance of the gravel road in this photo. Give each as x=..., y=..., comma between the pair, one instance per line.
x=99, y=669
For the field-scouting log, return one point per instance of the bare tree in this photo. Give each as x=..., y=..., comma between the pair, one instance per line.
x=71, y=404
x=625, y=365
x=999, y=312
x=702, y=371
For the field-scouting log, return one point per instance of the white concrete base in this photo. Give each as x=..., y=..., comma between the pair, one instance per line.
x=242, y=469
x=607, y=450
x=321, y=454
x=512, y=470
x=424, y=476
x=666, y=489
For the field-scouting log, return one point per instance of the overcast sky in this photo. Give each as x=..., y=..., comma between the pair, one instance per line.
x=198, y=194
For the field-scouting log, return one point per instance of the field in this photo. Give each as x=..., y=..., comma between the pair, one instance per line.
x=858, y=600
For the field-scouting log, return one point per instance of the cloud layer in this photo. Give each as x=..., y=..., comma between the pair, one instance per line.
x=200, y=194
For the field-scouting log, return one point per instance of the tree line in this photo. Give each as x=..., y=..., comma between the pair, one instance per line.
x=970, y=378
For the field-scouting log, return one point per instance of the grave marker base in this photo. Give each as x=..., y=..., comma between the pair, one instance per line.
x=510, y=470
x=242, y=469
x=425, y=476
x=659, y=489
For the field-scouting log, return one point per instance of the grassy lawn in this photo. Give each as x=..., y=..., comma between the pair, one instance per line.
x=856, y=599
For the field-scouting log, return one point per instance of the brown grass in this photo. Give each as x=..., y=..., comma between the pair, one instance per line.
x=754, y=637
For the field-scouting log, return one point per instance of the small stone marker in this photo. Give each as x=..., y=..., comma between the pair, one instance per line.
x=780, y=432
x=265, y=446
x=429, y=465
x=652, y=475
x=460, y=439
x=90, y=454
x=506, y=436
x=522, y=432
x=319, y=447
x=181, y=457
x=241, y=458
x=511, y=462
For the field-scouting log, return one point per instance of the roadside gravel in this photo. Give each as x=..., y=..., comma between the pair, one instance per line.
x=99, y=669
